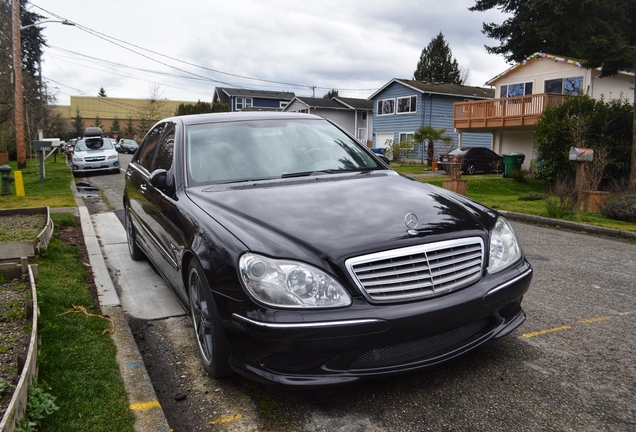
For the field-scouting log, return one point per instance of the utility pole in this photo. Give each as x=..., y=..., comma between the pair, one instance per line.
x=20, y=144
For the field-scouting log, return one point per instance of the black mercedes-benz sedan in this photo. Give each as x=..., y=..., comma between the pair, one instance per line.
x=303, y=259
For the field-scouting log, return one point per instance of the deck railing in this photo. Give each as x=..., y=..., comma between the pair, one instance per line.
x=515, y=111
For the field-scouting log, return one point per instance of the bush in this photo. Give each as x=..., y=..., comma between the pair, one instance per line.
x=533, y=196
x=518, y=176
x=584, y=122
x=621, y=207
x=562, y=203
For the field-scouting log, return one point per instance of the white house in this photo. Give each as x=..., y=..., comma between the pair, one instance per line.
x=353, y=115
x=522, y=93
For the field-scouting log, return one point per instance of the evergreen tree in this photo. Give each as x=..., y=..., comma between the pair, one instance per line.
x=102, y=92
x=115, y=127
x=129, y=131
x=98, y=122
x=78, y=124
x=437, y=64
x=197, y=108
x=219, y=106
x=331, y=94
x=600, y=32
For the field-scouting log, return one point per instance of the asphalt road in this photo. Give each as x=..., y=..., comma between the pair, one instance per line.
x=570, y=367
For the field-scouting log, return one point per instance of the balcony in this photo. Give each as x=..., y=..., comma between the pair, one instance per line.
x=507, y=112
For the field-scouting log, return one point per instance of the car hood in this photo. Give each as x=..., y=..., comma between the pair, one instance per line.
x=339, y=216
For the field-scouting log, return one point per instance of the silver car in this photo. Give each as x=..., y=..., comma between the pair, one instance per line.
x=95, y=154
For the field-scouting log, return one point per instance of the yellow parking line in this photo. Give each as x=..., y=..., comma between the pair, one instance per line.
x=597, y=319
x=145, y=406
x=223, y=420
x=542, y=332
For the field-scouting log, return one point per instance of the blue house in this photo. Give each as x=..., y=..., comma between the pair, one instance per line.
x=253, y=100
x=402, y=106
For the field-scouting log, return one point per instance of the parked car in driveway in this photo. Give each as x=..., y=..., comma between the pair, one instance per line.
x=472, y=159
x=303, y=259
x=128, y=145
x=94, y=153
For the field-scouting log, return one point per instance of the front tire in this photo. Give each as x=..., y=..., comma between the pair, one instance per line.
x=208, y=329
x=470, y=169
x=131, y=238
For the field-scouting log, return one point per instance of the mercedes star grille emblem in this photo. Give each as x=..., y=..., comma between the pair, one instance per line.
x=411, y=221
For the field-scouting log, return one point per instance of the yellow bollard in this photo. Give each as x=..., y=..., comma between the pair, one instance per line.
x=19, y=184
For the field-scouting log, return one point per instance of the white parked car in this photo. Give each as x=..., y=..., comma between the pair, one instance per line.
x=94, y=153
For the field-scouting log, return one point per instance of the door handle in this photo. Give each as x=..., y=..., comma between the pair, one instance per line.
x=143, y=188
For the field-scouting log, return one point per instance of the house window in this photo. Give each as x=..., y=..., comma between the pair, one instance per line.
x=363, y=115
x=386, y=107
x=406, y=104
x=282, y=104
x=304, y=110
x=242, y=103
x=406, y=136
x=571, y=85
x=362, y=134
x=513, y=90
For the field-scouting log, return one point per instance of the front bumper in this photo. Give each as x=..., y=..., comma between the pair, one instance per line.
x=105, y=165
x=363, y=341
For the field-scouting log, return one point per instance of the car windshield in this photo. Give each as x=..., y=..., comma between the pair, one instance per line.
x=459, y=152
x=93, y=144
x=254, y=150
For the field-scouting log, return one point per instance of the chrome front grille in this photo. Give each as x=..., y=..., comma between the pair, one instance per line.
x=419, y=271
x=95, y=159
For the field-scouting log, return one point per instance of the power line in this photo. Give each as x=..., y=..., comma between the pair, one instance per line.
x=119, y=43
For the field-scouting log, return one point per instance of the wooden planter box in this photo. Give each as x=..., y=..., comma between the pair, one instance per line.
x=591, y=201
x=457, y=186
x=14, y=256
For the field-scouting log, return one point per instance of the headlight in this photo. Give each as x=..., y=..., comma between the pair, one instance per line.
x=290, y=284
x=112, y=157
x=504, y=247
x=77, y=159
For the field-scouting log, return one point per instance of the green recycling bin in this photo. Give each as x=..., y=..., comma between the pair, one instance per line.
x=512, y=161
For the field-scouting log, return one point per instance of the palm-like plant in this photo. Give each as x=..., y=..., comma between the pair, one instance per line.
x=430, y=134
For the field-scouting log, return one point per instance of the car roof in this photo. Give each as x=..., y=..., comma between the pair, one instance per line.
x=241, y=116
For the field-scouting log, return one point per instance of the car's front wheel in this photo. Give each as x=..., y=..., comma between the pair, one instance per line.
x=470, y=169
x=208, y=328
x=131, y=238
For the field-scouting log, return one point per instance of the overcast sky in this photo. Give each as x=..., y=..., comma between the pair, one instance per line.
x=184, y=49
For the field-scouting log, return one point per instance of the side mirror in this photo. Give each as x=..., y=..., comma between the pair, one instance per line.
x=160, y=180
x=384, y=159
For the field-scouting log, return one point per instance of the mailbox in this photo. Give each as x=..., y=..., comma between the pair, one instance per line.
x=581, y=154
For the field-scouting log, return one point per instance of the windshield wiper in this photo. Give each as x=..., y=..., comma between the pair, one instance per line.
x=306, y=173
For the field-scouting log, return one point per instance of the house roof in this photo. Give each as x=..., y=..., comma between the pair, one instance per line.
x=539, y=55
x=312, y=102
x=224, y=93
x=334, y=103
x=446, y=89
x=359, y=104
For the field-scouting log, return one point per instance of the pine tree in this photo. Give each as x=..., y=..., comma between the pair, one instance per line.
x=102, y=92
x=78, y=123
x=437, y=64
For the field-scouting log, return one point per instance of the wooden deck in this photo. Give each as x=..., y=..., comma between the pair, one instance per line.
x=494, y=113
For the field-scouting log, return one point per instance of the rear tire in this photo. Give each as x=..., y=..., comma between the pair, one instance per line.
x=208, y=328
x=131, y=238
x=470, y=169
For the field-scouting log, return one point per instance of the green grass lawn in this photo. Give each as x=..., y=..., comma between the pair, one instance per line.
x=77, y=358
x=77, y=362
x=55, y=191
x=503, y=194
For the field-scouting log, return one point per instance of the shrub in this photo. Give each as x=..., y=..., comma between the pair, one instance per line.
x=562, y=203
x=621, y=207
x=518, y=175
x=533, y=196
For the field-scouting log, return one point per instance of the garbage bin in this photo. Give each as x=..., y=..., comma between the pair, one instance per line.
x=512, y=161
